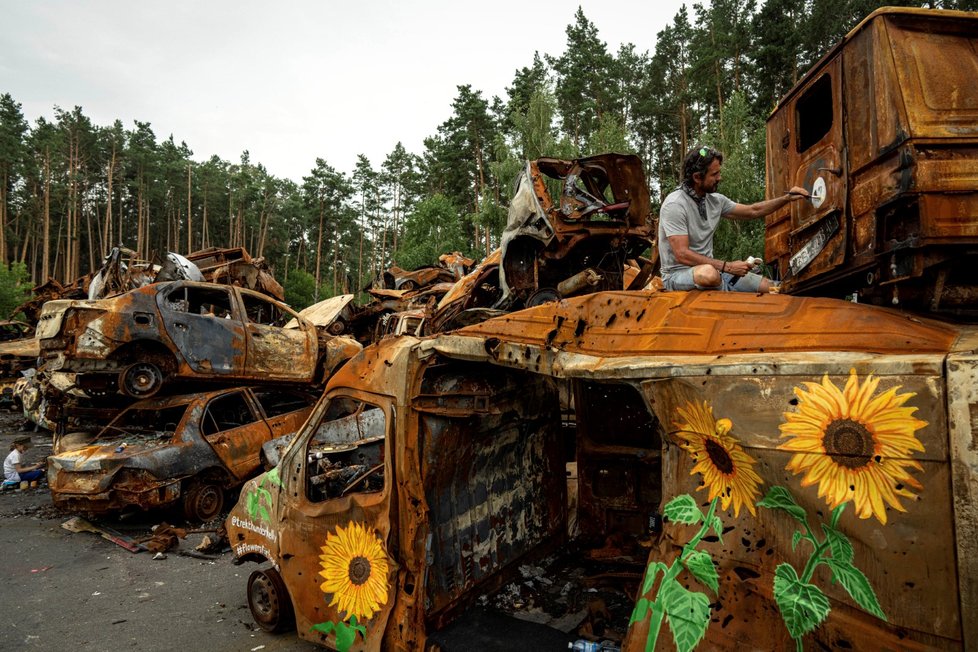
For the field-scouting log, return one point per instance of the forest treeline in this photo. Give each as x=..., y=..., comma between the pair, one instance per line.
x=71, y=189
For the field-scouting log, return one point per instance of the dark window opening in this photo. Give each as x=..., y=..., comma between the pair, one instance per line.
x=813, y=113
x=201, y=301
x=278, y=402
x=227, y=412
x=264, y=312
x=346, y=455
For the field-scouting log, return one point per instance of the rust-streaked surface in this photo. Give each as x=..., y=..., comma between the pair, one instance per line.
x=619, y=324
x=898, y=160
x=471, y=418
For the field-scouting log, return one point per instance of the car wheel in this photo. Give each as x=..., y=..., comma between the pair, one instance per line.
x=202, y=501
x=141, y=380
x=269, y=601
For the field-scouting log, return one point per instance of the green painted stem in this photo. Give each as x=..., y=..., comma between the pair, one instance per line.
x=655, y=624
x=820, y=547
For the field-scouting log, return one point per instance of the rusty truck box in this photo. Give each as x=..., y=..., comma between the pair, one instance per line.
x=736, y=471
x=884, y=132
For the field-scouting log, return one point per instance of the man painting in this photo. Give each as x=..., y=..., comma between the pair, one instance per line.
x=689, y=218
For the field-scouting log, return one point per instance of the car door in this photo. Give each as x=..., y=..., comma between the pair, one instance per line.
x=338, y=487
x=276, y=352
x=235, y=431
x=818, y=226
x=203, y=324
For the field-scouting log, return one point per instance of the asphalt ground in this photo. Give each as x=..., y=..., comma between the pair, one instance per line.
x=75, y=590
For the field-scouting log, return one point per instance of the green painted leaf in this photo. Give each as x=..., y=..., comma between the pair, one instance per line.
x=345, y=636
x=325, y=628
x=857, y=585
x=795, y=538
x=718, y=527
x=839, y=544
x=701, y=566
x=688, y=614
x=683, y=509
x=273, y=477
x=638, y=613
x=781, y=498
x=803, y=606
x=251, y=504
x=264, y=513
x=650, y=574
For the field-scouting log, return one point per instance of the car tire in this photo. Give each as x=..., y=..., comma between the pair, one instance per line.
x=269, y=601
x=141, y=380
x=202, y=501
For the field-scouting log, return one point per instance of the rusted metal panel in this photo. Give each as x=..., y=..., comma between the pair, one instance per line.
x=618, y=324
x=918, y=597
x=962, y=407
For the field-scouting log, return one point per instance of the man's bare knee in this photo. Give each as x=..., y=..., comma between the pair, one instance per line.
x=706, y=276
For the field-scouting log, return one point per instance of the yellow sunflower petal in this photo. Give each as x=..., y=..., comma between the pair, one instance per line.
x=854, y=443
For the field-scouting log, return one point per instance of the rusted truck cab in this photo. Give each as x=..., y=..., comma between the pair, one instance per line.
x=812, y=459
x=884, y=131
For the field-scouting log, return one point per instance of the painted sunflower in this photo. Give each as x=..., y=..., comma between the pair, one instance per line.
x=855, y=444
x=726, y=469
x=355, y=569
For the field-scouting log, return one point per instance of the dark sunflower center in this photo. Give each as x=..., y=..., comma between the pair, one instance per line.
x=849, y=443
x=359, y=570
x=719, y=456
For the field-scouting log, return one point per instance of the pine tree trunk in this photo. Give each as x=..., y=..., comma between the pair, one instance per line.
x=319, y=248
x=205, y=238
x=3, y=218
x=46, y=246
x=107, y=227
x=190, y=224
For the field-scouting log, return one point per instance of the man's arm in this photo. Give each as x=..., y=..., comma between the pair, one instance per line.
x=762, y=208
x=688, y=257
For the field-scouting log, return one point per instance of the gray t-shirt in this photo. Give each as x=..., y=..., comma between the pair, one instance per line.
x=679, y=215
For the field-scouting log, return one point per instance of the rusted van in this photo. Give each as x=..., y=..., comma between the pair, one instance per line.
x=812, y=460
x=884, y=132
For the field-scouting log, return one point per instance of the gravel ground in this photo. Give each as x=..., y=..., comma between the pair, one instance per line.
x=72, y=590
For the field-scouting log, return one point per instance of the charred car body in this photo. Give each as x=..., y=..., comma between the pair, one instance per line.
x=181, y=330
x=181, y=449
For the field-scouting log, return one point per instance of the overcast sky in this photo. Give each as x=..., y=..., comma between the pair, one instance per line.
x=289, y=81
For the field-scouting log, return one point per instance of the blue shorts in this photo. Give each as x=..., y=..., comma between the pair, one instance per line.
x=683, y=281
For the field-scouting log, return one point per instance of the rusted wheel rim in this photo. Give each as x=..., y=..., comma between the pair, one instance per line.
x=263, y=599
x=141, y=380
x=205, y=502
x=268, y=600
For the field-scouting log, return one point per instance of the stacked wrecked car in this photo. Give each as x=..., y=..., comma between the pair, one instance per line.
x=252, y=380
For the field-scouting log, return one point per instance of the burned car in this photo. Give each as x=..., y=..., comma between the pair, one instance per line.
x=181, y=330
x=571, y=227
x=187, y=450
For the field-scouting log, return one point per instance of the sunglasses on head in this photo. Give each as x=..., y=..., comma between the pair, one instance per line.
x=707, y=152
